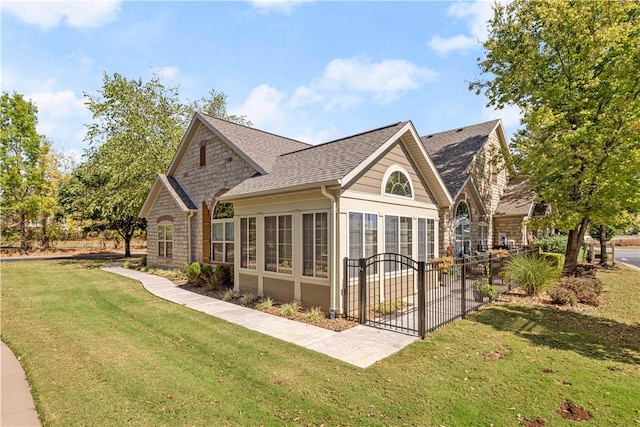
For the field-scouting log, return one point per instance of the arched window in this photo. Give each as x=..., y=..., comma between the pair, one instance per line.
x=398, y=184
x=463, y=230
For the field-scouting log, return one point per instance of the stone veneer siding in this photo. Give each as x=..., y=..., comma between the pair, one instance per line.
x=166, y=206
x=514, y=228
x=224, y=169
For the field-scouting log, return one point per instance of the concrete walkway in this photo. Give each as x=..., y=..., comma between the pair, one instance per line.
x=361, y=346
x=16, y=404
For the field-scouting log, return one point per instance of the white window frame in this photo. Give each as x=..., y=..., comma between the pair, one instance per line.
x=459, y=231
x=280, y=245
x=391, y=170
x=319, y=245
x=426, y=241
x=249, y=248
x=163, y=242
x=226, y=241
x=483, y=240
x=408, y=244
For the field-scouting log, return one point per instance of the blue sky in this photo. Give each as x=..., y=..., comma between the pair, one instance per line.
x=310, y=70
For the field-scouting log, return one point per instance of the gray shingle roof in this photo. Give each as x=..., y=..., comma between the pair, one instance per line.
x=182, y=195
x=261, y=147
x=452, y=151
x=320, y=163
x=516, y=200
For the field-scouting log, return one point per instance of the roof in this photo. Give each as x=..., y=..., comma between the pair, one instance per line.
x=178, y=194
x=517, y=199
x=453, y=151
x=259, y=148
x=320, y=164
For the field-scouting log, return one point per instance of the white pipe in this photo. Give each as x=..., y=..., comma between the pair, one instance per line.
x=190, y=214
x=334, y=246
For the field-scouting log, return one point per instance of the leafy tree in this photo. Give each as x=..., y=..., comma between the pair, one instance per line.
x=136, y=130
x=22, y=154
x=573, y=69
x=216, y=105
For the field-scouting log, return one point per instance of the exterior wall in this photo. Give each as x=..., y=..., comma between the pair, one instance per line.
x=314, y=295
x=371, y=181
x=224, y=169
x=514, y=228
x=165, y=206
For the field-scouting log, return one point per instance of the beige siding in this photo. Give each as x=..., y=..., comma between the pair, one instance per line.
x=315, y=296
x=166, y=206
x=278, y=289
x=371, y=180
x=513, y=227
x=248, y=283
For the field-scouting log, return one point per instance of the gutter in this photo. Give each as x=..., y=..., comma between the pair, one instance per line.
x=334, y=246
x=189, y=215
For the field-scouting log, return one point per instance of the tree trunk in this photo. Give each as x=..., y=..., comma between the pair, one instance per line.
x=603, y=245
x=44, y=241
x=574, y=243
x=127, y=245
x=24, y=244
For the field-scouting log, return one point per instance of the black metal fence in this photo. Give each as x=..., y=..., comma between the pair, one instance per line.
x=395, y=292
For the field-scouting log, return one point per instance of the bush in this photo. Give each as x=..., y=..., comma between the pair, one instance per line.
x=265, y=303
x=389, y=307
x=556, y=243
x=587, y=290
x=222, y=277
x=531, y=272
x=562, y=296
x=288, y=310
x=193, y=271
x=230, y=295
x=248, y=299
x=314, y=314
x=555, y=260
x=143, y=260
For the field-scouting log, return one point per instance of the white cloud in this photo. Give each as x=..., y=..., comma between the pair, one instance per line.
x=77, y=14
x=476, y=15
x=168, y=73
x=61, y=116
x=279, y=6
x=264, y=108
x=347, y=82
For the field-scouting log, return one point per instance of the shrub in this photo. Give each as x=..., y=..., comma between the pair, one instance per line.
x=248, y=299
x=314, y=314
x=389, y=307
x=230, y=295
x=562, y=296
x=126, y=264
x=222, y=277
x=556, y=243
x=486, y=289
x=288, y=310
x=531, y=272
x=143, y=260
x=265, y=303
x=587, y=290
x=193, y=271
x=555, y=260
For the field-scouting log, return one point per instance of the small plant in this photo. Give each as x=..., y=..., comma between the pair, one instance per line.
x=143, y=260
x=499, y=253
x=290, y=309
x=193, y=271
x=126, y=264
x=265, y=304
x=230, y=295
x=556, y=243
x=208, y=277
x=562, y=296
x=314, y=314
x=222, y=277
x=531, y=272
x=443, y=264
x=389, y=307
x=485, y=289
x=585, y=290
x=248, y=298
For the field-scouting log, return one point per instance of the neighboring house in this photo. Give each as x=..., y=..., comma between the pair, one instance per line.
x=490, y=207
x=285, y=214
x=298, y=210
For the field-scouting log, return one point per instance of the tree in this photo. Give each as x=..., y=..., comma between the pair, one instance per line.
x=216, y=105
x=602, y=233
x=22, y=156
x=573, y=69
x=136, y=130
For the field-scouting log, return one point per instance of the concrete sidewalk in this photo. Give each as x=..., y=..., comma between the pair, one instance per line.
x=361, y=346
x=16, y=404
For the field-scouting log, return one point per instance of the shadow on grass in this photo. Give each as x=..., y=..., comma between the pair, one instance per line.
x=587, y=335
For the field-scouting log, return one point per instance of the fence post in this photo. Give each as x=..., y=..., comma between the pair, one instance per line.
x=463, y=276
x=490, y=268
x=613, y=254
x=345, y=285
x=421, y=296
x=362, y=290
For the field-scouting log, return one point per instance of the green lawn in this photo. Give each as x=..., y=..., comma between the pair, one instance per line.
x=99, y=350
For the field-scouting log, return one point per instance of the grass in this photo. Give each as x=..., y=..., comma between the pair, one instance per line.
x=99, y=350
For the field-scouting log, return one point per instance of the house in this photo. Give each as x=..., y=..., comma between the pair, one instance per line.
x=285, y=213
x=490, y=206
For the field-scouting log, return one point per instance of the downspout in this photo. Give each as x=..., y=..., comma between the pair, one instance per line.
x=189, y=237
x=334, y=251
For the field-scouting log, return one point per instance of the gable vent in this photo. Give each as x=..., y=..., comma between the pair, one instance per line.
x=460, y=130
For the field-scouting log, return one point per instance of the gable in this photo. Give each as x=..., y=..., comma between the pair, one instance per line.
x=167, y=186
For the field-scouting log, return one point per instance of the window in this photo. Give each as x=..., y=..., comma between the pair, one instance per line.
x=426, y=239
x=462, y=231
x=315, y=245
x=398, y=237
x=278, y=243
x=248, y=243
x=222, y=240
x=398, y=184
x=165, y=240
x=203, y=155
x=363, y=235
x=483, y=244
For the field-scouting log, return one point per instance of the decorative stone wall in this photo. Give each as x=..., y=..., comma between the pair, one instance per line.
x=514, y=228
x=165, y=206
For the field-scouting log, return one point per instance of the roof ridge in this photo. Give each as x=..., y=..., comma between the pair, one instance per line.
x=344, y=138
x=459, y=128
x=254, y=129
